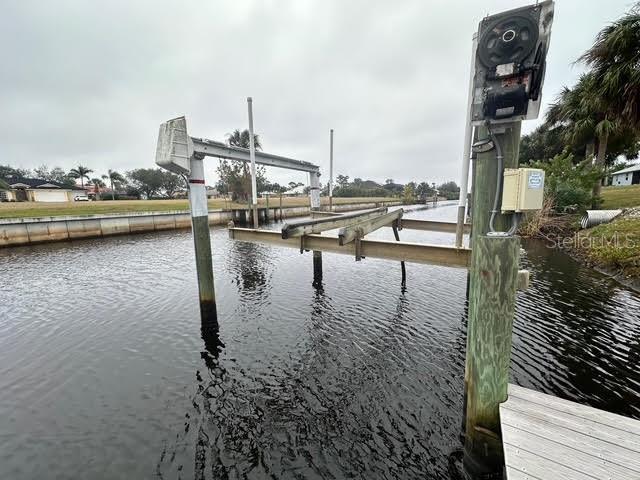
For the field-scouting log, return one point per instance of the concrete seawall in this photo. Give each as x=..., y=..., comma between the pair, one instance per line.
x=28, y=231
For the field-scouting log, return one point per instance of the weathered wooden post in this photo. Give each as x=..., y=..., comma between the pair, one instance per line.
x=509, y=66
x=202, y=239
x=492, y=295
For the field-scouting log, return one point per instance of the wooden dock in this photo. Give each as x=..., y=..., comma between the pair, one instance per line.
x=546, y=437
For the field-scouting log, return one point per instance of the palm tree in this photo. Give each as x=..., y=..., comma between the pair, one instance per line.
x=114, y=178
x=81, y=173
x=584, y=113
x=97, y=185
x=615, y=62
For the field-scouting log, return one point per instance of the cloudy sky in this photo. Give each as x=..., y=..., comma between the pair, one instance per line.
x=89, y=82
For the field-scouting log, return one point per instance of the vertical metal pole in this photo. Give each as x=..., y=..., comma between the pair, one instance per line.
x=331, y=170
x=466, y=153
x=252, y=155
x=202, y=240
x=314, y=195
x=492, y=295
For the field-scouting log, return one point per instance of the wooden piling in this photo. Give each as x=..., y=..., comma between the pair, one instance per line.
x=492, y=289
x=494, y=273
x=202, y=241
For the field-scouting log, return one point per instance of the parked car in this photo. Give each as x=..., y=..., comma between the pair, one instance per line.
x=80, y=198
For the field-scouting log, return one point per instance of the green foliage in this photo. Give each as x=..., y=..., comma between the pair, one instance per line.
x=615, y=245
x=234, y=175
x=409, y=192
x=568, y=183
x=9, y=171
x=147, y=181
x=80, y=172
x=450, y=190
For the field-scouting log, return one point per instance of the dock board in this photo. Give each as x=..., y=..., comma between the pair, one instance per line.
x=547, y=438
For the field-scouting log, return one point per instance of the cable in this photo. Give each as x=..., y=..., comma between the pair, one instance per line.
x=496, y=199
x=515, y=217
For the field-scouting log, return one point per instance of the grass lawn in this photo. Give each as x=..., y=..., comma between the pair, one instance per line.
x=621, y=197
x=51, y=209
x=614, y=245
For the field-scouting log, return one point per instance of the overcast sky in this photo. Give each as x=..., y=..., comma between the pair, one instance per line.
x=90, y=82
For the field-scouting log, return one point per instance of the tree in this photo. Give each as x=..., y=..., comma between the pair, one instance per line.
x=342, y=180
x=115, y=180
x=56, y=174
x=97, y=185
x=171, y=183
x=450, y=190
x=80, y=172
x=9, y=171
x=587, y=120
x=409, y=192
x=424, y=190
x=293, y=185
x=614, y=60
x=149, y=181
x=234, y=175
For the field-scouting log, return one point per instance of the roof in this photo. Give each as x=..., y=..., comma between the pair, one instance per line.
x=35, y=183
x=632, y=168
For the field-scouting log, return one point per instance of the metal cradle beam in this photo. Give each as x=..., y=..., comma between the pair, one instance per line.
x=398, y=251
x=350, y=232
x=317, y=225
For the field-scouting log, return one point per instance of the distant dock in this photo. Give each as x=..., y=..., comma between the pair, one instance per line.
x=547, y=438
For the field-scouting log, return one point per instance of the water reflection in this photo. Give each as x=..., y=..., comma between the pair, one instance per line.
x=352, y=377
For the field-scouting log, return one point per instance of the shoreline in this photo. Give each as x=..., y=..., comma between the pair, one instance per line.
x=15, y=232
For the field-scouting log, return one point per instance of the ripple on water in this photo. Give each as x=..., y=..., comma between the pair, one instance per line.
x=103, y=357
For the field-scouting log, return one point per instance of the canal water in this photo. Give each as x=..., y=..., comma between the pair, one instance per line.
x=107, y=372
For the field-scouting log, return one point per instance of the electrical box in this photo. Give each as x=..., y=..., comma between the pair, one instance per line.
x=510, y=62
x=522, y=189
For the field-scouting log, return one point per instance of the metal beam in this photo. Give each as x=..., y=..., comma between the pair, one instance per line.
x=431, y=226
x=317, y=225
x=349, y=233
x=322, y=214
x=398, y=251
x=211, y=148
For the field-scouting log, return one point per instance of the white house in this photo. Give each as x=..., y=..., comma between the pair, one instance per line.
x=36, y=190
x=626, y=176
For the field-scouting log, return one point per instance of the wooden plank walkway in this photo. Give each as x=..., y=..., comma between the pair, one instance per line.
x=547, y=438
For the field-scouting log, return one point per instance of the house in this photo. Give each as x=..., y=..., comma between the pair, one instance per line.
x=626, y=176
x=36, y=190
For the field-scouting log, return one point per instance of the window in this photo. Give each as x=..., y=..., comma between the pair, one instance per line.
x=3, y=196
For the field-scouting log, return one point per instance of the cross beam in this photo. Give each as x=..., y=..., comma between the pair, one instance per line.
x=317, y=225
x=398, y=251
x=211, y=148
x=349, y=233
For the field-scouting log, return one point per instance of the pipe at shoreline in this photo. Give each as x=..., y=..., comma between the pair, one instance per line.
x=30, y=231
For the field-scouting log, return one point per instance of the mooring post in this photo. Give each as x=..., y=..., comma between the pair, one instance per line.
x=492, y=295
x=331, y=170
x=202, y=240
x=252, y=155
x=314, y=199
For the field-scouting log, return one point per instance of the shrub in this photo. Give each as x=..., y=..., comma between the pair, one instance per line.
x=569, y=185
